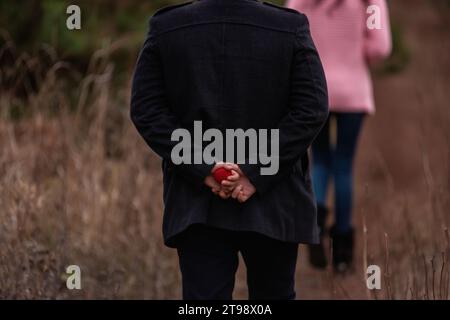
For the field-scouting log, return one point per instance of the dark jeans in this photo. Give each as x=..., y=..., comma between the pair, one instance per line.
x=209, y=260
x=336, y=162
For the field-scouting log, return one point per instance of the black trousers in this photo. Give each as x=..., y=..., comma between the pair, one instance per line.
x=209, y=260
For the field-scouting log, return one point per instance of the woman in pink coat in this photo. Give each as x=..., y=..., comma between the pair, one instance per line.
x=348, y=38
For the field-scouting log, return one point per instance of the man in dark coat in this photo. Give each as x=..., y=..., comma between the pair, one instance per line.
x=233, y=64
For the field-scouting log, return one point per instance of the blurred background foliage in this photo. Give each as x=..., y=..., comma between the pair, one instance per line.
x=31, y=24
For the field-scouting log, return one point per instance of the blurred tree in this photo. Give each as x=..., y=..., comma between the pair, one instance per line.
x=18, y=18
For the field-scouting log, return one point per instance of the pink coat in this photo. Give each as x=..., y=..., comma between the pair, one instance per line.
x=346, y=46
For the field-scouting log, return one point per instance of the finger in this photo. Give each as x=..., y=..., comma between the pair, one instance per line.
x=228, y=190
x=242, y=197
x=229, y=184
x=211, y=182
x=215, y=185
x=215, y=190
x=237, y=169
x=234, y=176
x=224, y=195
x=236, y=192
x=231, y=166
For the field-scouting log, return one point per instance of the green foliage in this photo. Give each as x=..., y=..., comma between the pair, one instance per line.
x=33, y=22
x=52, y=29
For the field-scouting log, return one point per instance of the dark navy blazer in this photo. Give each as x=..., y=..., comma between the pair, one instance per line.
x=233, y=64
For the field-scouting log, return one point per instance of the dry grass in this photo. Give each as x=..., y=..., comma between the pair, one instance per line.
x=79, y=188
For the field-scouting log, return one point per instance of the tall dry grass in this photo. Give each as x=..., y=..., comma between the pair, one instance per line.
x=77, y=186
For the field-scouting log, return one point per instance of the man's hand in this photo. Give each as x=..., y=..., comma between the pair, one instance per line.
x=238, y=185
x=216, y=188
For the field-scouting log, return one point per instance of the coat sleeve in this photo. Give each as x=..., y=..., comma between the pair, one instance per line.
x=150, y=112
x=308, y=110
x=378, y=42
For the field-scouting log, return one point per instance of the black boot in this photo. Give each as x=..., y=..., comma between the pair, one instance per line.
x=317, y=255
x=342, y=250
